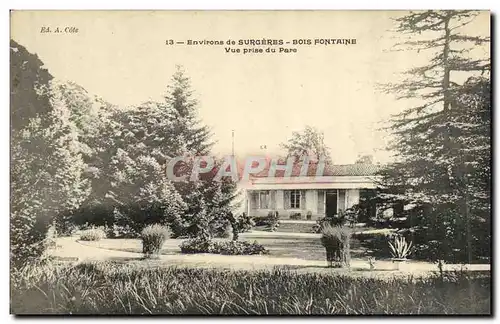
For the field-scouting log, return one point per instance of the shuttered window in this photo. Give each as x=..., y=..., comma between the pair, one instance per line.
x=272, y=203
x=321, y=201
x=287, y=199
x=264, y=199
x=295, y=199
x=254, y=198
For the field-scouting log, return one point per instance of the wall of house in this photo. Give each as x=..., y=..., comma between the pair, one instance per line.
x=312, y=200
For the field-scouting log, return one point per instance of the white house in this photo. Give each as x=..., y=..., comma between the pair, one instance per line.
x=309, y=197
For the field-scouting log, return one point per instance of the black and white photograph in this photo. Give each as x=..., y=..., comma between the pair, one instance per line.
x=292, y=162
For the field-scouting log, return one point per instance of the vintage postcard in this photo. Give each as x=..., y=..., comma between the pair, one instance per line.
x=250, y=162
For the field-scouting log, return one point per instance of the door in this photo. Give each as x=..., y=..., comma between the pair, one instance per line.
x=331, y=203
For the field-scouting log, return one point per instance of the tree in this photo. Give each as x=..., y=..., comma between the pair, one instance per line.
x=98, y=127
x=434, y=160
x=209, y=202
x=187, y=126
x=85, y=112
x=310, y=142
x=130, y=187
x=141, y=194
x=29, y=81
x=46, y=167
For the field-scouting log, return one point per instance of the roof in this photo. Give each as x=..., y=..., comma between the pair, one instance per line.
x=356, y=169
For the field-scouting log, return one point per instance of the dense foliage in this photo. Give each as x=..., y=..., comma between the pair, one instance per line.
x=46, y=164
x=309, y=143
x=229, y=247
x=78, y=161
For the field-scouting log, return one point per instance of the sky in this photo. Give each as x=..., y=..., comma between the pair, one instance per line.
x=122, y=57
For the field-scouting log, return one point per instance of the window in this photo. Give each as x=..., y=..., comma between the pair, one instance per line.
x=263, y=199
x=295, y=199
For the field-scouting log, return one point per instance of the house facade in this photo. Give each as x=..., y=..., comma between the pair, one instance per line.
x=310, y=196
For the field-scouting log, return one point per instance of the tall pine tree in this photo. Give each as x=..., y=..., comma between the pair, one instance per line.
x=210, y=203
x=436, y=157
x=187, y=126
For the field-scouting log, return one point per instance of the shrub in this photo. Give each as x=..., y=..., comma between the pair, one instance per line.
x=238, y=248
x=94, y=215
x=349, y=216
x=352, y=214
x=228, y=232
x=309, y=215
x=333, y=220
x=378, y=244
x=198, y=245
x=242, y=224
x=336, y=240
x=400, y=248
x=295, y=215
x=153, y=237
x=92, y=234
x=375, y=243
x=260, y=221
x=273, y=221
x=64, y=225
x=126, y=232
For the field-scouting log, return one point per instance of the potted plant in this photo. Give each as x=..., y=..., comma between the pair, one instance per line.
x=400, y=250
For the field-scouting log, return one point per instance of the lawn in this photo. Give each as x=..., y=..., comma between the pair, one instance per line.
x=290, y=227
x=279, y=245
x=111, y=288
x=307, y=248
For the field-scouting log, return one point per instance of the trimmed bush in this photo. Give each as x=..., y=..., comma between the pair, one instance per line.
x=153, y=237
x=336, y=240
x=92, y=234
x=198, y=245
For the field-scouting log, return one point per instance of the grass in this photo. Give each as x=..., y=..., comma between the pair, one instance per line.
x=286, y=227
x=109, y=288
x=290, y=228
